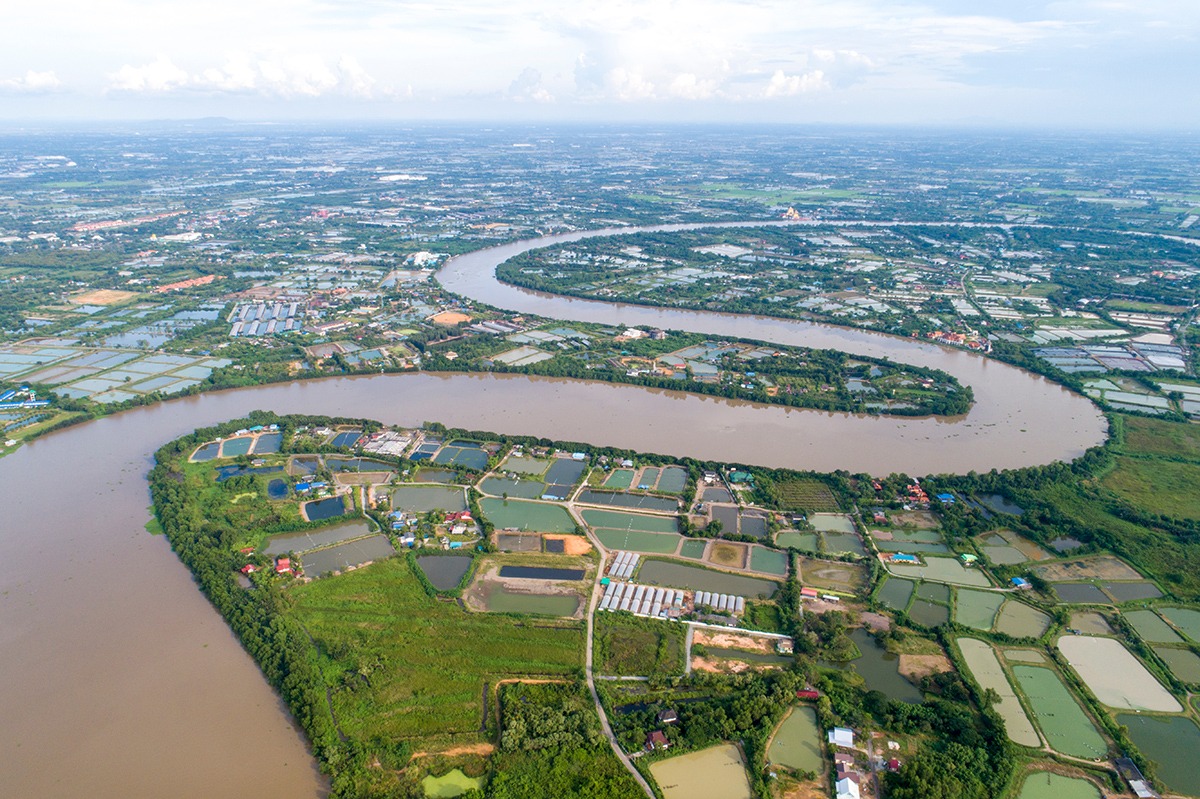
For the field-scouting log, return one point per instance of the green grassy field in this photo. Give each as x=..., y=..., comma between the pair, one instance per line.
x=1156, y=437
x=1157, y=486
x=627, y=646
x=424, y=663
x=810, y=495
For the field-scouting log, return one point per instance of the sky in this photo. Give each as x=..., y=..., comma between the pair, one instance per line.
x=1104, y=64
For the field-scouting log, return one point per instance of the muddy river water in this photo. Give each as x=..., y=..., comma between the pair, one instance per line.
x=117, y=678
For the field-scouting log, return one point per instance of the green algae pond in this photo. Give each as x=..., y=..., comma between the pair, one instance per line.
x=717, y=772
x=1046, y=785
x=896, y=592
x=977, y=609
x=928, y=614
x=879, y=668
x=517, y=514
x=636, y=541
x=1151, y=628
x=1183, y=663
x=985, y=667
x=1172, y=743
x=444, y=572
x=617, y=520
x=797, y=743
x=424, y=498
x=452, y=783
x=943, y=570
x=305, y=540
x=1186, y=619
x=498, y=598
x=805, y=542
x=1021, y=621
x=1067, y=728
x=620, y=479
x=769, y=561
x=693, y=548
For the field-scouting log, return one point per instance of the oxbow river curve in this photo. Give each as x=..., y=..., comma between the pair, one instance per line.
x=120, y=680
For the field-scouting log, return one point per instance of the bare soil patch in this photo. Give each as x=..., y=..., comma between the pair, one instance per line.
x=748, y=643
x=103, y=297
x=484, y=749
x=572, y=544
x=449, y=318
x=915, y=667
x=875, y=621
x=920, y=519
x=1102, y=567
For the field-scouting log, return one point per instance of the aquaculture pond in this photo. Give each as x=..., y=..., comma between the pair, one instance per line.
x=424, y=498
x=1081, y=594
x=268, y=443
x=227, y=472
x=313, y=539
x=500, y=599
x=943, y=570
x=797, y=743
x=1183, y=663
x=343, y=556
x=520, y=515
x=805, y=542
x=523, y=464
x=621, y=479
x=1186, y=619
x=435, y=475
x=843, y=544
x=977, y=609
x=691, y=548
x=449, y=785
x=468, y=455
x=346, y=439
x=831, y=522
x=999, y=504
x=519, y=489
x=540, y=573
x=565, y=472
x=634, y=541
x=1066, y=727
x=320, y=509
x=232, y=447
x=769, y=561
x=714, y=773
x=672, y=480
x=880, y=669
x=1172, y=743
x=985, y=667
x=337, y=464
x=277, y=489
x=619, y=500
x=444, y=572
x=1021, y=621
x=928, y=614
x=1116, y=677
x=896, y=592
x=1152, y=628
x=1046, y=785
x=616, y=520
x=681, y=575
x=206, y=452
x=1132, y=592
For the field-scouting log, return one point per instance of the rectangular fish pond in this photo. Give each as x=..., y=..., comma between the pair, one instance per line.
x=444, y=572
x=977, y=609
x=985, y=667
x=681, y=575
x=304, y=540
x=424, y=498
x=1115, y=676
x=622, y=500
x=797, y=743
x=518, y=489
x=498, y=598
x=320, y=509
x=540, y=573
x=527, y=516
x=1047, y=785
x=1172, y=743
x=343, y=556
x=1067, y=728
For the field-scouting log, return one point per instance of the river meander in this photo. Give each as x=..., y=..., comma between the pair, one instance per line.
x=119, y=678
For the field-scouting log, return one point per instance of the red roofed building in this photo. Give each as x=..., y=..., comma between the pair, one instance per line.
x=808, y=694
x=461, y=516
x=657, y=740
x=249, y=568
x=283, y=566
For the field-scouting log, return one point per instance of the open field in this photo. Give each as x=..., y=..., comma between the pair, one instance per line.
x=438, y=657
x=103, y=297
x=1103, y=567
x=1155, y=437
x=831, y=574
x=627, y=646
x=1157, y=486
x=807, y=495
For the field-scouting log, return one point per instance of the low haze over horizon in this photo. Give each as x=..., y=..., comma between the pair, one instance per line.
x=1024, y=63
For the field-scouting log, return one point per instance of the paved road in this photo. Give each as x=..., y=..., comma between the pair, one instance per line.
x=597, y=593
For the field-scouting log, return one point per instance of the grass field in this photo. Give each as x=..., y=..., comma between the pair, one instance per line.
x=627, y=646
x=1157, y=486
x=425, y=662
x=810, y=495
x=1156, y=437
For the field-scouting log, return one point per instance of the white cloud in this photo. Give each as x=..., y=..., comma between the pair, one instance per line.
x=687, y=86
x=528, y=87
x=32, y=82
x=273, y=76
x=782, y=85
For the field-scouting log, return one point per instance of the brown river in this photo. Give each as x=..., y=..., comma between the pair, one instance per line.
x=117, y=679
